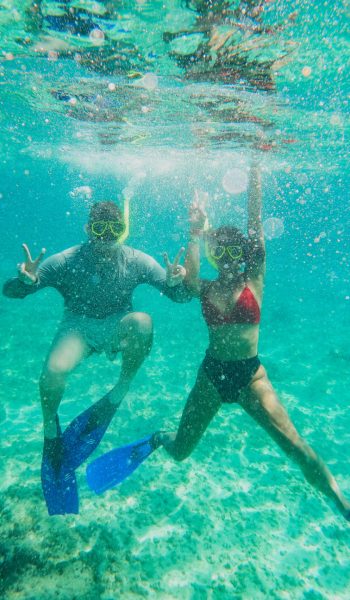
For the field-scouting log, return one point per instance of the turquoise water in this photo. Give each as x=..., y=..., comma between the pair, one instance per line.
x=236, y=520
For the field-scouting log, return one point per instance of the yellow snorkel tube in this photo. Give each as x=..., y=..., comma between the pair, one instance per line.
x=126, y=218
x=209, y=258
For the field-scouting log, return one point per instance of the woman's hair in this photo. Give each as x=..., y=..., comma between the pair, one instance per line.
x=105, y=211
x=232, y=235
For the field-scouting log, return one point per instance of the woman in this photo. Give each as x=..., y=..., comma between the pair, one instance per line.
x=231, y=370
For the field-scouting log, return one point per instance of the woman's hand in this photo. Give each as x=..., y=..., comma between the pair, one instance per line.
x=198, y=216
x=27, y=270
x=175, y=273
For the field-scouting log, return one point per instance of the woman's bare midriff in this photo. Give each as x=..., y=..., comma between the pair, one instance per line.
x=233, y=342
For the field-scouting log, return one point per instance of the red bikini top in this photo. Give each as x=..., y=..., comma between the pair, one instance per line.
x=246, y=310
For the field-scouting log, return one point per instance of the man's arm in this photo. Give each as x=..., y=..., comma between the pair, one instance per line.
x=155, y=275
x=45, y=275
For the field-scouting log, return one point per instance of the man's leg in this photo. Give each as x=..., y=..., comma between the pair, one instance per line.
x=260, y=402
x=134, y=340
x=58, y=481
x=66, y=352
x=83, y=435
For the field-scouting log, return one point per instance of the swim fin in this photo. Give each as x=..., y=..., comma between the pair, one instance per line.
x=115, y=466
x=85, y=432
x=58, y=481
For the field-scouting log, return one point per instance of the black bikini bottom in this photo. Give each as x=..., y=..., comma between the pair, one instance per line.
x=230, y=376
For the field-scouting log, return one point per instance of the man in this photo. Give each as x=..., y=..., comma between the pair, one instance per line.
x=96, y=280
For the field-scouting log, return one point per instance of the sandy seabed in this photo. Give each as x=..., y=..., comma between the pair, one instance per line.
x=235, y=521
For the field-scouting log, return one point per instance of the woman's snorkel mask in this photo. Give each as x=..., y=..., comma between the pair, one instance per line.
x=216, y=252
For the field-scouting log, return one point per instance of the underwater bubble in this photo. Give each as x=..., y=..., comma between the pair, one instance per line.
x=306, y=71
x=111, y=87
x=273, y=228
x=336, y=120
x=97, y=36
x=148, y=81
x=83, y=191
x=235, y=181
x=302, y=178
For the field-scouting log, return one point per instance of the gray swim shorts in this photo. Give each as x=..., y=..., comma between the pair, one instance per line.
x=101, y=335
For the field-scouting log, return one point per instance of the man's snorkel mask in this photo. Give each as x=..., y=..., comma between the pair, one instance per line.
x=108, y=223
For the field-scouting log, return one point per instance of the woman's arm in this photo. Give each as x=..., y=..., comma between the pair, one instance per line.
x=256, y=263
x=192, y=265
x=192, y=259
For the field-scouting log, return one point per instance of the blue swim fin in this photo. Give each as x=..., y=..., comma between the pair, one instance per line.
x=85, y=432
x=58, y=481
x=115, y=466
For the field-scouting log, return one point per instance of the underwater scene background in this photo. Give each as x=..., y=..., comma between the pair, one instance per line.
x=151, y=101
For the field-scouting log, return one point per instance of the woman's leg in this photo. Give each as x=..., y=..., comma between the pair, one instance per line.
x=260, y=401
x=201, y=406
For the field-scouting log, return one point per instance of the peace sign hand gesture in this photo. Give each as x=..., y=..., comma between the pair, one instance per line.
x=27, y=270
x=198, y=215
x=175, y=273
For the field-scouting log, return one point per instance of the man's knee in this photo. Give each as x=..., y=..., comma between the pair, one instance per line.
x=137, y=331
x=139, y=323
x=55, y=371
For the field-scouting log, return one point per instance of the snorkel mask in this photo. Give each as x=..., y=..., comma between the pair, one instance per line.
x=215, y=253
x=111, y=230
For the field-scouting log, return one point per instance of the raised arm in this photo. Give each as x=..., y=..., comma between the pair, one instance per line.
x=192, y=259
x=256, y=264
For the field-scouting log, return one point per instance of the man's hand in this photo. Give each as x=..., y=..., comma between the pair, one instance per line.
x=27, y=270
x=198, y=216
x=175, y=273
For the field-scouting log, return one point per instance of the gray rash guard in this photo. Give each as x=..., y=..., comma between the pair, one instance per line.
x=94, y=285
